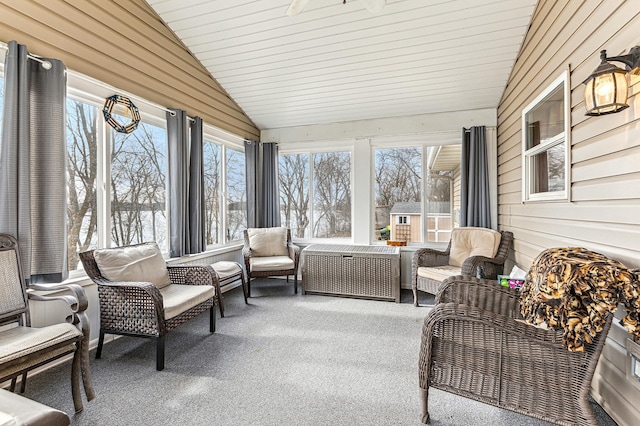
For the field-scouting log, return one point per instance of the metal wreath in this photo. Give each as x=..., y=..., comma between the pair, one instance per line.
x=110, y=102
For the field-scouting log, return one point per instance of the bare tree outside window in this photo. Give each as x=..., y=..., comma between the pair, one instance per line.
x=398, y=179
x=332, y=195
x=294, y=193
x=236, y=194
x=212, y=208
x=82, y=160
x=138, y=189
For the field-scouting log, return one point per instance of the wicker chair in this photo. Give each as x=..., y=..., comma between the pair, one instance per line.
x=141, y=308
x=22, y=347
x=263, y=261
x=430, y=267
x=472, y=346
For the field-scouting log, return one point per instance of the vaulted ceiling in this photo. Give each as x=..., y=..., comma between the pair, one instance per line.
x=337, y=62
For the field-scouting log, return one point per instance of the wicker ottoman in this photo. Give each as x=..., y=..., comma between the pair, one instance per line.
x=226, y=273
x=367, y=272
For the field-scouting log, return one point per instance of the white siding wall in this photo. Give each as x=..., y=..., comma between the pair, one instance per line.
x=605, y=160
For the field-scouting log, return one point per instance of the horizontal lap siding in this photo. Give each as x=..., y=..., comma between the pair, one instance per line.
x=605, y=159
x=125, y=44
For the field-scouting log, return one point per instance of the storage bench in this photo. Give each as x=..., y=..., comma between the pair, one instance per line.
x=368, y=272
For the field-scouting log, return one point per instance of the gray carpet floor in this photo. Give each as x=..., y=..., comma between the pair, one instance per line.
x=284, y=359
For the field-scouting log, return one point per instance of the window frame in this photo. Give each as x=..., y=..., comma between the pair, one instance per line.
x=528, y=177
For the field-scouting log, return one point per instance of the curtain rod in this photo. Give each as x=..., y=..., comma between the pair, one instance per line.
x=47, y=65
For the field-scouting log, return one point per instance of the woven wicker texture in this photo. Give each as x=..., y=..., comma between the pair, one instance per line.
x=294, y=254
x=473, y=346
x=23, y=348
x=473, y=266
x=371, y=272
x=136, y=308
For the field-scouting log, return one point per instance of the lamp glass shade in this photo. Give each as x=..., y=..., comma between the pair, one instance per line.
x=606, y=92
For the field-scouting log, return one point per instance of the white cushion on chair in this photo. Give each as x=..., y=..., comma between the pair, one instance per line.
x=225, y=268
x=470, y=241
x=178, y=298
x=438, y=273
x=139, y=263
x=271, y=263
x=268, y=241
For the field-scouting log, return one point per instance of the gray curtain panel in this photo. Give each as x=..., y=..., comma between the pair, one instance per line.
x=196, y=190
x=33, y=155
x=178, y=183
x=185, y=185
x=475, y=205
x=252, y=164
x=270, y=215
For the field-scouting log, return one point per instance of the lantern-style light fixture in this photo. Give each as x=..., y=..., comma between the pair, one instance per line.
x=607, y=88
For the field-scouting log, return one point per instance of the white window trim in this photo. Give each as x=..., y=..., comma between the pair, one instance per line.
x=527, y=177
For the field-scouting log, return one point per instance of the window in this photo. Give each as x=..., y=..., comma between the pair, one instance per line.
x=324, y=180
x=545, y=124
x=138, y=186
x=212, y=177
x=236, y=194
x=403, y=193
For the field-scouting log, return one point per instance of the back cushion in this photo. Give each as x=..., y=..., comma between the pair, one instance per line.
x=141, y=263
x=268, y=241
x=469, y=241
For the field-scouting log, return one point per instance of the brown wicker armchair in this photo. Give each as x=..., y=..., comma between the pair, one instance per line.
x=22, y=347
x=473, y=346
x=430, y=267
x=269, y=252
x=143, y=309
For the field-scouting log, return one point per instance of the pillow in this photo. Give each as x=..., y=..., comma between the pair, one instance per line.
x=268, y=241
x=471, y=241
x=140, y=263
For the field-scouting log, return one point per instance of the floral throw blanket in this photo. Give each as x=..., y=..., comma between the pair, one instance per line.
x=574, y=289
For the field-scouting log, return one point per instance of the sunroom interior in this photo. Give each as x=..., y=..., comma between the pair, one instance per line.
x=368, y=112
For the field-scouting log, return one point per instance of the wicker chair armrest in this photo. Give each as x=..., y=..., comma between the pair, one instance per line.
x=482, y=266
x=294, y=252
x=192, y=274
x=484, y=294
x=430, y=257
x=246, y=255
x=465, y=313
x=77, y=300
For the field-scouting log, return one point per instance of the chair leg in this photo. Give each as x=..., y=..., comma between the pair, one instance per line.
x=212, y=319
x=75, y=380
x=160, y=352
x=295, y=283
x=244, y=288
x=220, y=302
x=23, y=384
x=248, y=286
x=12, y=388
x=424, y=399
x=415, y=296
x=100, y=343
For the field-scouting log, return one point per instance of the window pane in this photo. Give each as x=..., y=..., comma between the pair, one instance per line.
x=236, y=195
x=545, y=121
x=82, y=163
x=443, y=202
x=294, y=193
x=332, y=195
x=213, y=209
x=398, y=186
x=138, y=170
x=548, y=170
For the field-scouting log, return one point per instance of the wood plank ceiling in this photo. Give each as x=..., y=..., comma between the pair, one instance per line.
x=337, y=62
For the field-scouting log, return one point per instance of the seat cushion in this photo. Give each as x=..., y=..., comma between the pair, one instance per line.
x=20, y=342
x=439, y=273
x=268, y=241
x=178, y=298
x=271, y=263
x=18, y=410
x=470, y=241
x=138, y=263
x=226, y=269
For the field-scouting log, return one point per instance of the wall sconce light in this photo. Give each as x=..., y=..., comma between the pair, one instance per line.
x=607, y=87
